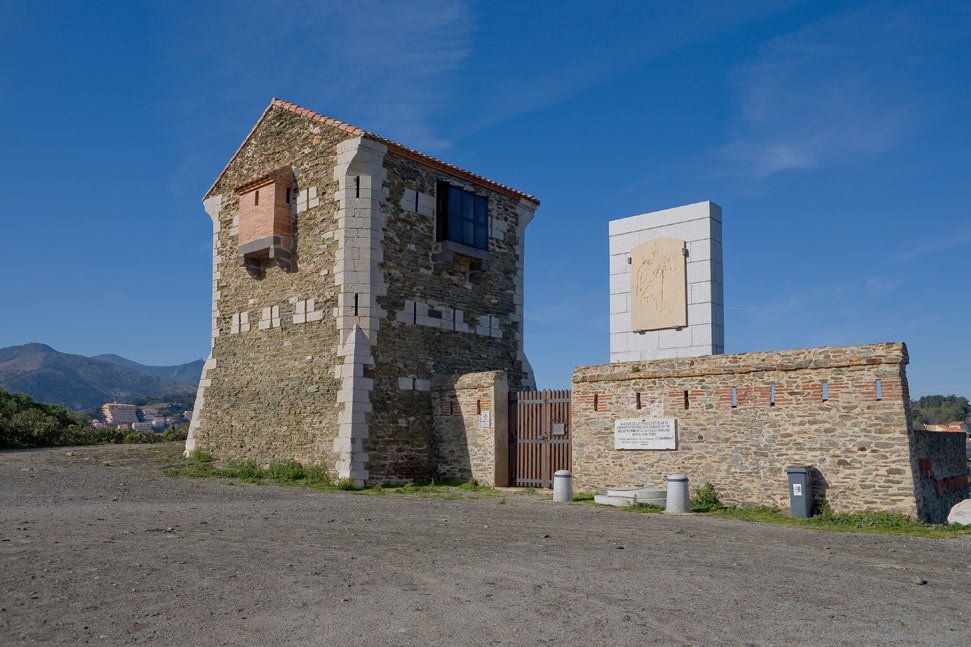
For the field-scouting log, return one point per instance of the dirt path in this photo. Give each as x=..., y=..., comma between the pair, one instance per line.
x=100, y=547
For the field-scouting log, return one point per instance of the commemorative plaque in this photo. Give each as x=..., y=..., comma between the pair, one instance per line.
x=646, y=433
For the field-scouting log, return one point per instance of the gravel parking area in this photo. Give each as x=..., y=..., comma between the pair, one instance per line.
x=98, y=546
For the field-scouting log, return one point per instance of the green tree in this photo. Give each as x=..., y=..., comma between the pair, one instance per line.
x=938, y=409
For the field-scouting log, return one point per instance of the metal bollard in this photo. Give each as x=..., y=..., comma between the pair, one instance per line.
x=562, y=486
x=677, y=499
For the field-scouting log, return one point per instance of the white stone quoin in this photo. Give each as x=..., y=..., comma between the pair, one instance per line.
x=699, y=225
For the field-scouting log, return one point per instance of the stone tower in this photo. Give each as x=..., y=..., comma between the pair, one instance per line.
x=348, y=271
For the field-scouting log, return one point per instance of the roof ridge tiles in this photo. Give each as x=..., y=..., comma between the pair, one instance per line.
x=404, y=150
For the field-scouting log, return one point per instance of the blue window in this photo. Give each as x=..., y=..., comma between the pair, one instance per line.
x=463, y=216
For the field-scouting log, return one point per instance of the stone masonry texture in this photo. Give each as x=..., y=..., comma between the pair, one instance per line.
x=467, y=447
x=942, y=472
x=400, y=442
x=864, y=454
x=272, y=394
x=330, y=361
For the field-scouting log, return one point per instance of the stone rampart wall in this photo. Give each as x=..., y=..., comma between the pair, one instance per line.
x=470, y=414
x=941, y=466
x=743, y=418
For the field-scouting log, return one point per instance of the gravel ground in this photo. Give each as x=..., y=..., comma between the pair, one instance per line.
x=98, y=546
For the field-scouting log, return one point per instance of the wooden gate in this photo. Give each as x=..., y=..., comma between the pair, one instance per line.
x=539, y=437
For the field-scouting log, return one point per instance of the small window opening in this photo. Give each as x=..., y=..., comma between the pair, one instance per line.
x=357, y=186
x=256, y=198
x=596, y=402
x=416, y=201
x=355, y=303
x=734, y=398
x=825, y=394
x=637, y=400
x=686, y=403
x=478, y=407
x=286, y=195
x=879, y=390
x=451, y=407
x=463, y=216
x=772, y=395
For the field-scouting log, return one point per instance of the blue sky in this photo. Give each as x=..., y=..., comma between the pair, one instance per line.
x=835, y=137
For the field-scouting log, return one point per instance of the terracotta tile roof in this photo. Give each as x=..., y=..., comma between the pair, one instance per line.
x=404, y=151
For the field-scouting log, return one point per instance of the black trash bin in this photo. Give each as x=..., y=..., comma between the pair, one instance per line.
x=800, y=490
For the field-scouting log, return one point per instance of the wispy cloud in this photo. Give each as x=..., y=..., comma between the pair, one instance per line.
x=824, y=95
x=927, y=246
x=583, y=45
x=877, y=285
x=390, y=64
x=384, y=66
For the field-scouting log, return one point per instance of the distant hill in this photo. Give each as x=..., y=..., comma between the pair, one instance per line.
x=181, y=373
x=81, y=382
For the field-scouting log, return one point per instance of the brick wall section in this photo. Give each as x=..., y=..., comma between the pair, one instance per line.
x=859, y=445
x=271, y=394
x=271, y=217
x=401, y=436
x=941, y=474
x=465, y=449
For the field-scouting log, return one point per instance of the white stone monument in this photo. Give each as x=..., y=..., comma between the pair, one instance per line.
x=666, y=291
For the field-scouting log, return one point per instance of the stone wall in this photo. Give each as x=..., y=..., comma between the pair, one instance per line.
x=743, y=418
x=941, y=468
x=470, y=414
x=269, y=392
x=438, y=321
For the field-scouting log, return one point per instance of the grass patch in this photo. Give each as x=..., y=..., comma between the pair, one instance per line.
x=644, y=507
x=292, y=473
x=886, y=523
x=705, y=500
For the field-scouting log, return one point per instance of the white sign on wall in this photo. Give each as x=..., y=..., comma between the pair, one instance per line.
x=643, y=433
x=485, y=420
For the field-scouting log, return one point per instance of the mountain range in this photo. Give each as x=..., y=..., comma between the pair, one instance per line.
x=81, y=382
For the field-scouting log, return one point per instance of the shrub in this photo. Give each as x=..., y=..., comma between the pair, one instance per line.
x=706, y=499
x=175, y=433
x=346, y=484
x=288, y=471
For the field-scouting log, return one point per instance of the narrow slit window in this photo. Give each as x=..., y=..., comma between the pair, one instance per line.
x=879, y=390
x=637, y=399
x=355, y=303
x=256, y=198
x=772, y=395
x=357, y=186
x=734, y=398
x=596, y=402
x=451, y=407
x=416, y=201
x=286, y=195
x=825, y=391
x=686, y=402
x=478, y=407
